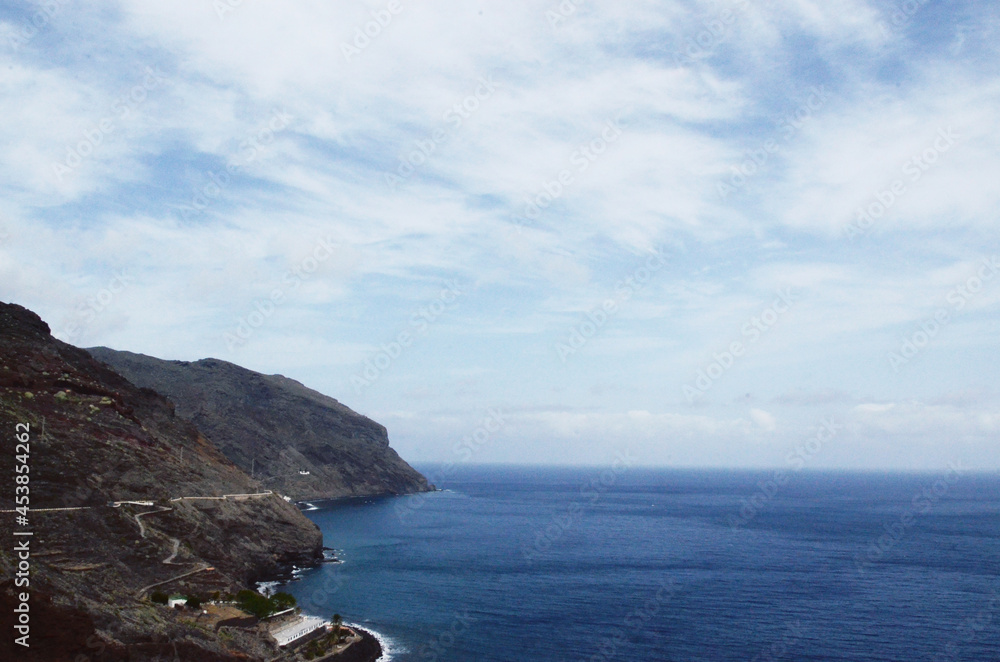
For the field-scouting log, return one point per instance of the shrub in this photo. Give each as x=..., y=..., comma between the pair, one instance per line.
x=254, y=603
x=159, y=597
x=262, y=606
x=282, y=601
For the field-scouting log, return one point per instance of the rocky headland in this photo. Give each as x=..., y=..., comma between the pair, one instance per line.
x=291, y=438
x=128, y=496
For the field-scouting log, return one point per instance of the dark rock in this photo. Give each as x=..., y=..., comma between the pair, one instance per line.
x=97, y=438
x=276, y=428
x=366, y=650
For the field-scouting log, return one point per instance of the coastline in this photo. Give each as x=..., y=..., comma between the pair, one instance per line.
x=309, y=505
x=371, y=647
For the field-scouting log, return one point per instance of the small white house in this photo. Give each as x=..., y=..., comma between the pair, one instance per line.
x=176, y=601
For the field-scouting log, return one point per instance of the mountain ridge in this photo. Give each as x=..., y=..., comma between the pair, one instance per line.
x=293, y=439
x=97, y=440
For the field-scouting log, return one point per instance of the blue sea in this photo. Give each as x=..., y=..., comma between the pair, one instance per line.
x=590, y=564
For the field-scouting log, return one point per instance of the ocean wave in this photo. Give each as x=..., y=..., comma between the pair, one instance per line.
x=390, y=646
x=267, y=588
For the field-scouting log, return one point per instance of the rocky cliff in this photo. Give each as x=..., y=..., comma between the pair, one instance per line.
x=294, y=440
x=96, y=438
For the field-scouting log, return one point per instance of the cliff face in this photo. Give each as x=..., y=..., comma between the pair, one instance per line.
x=276, y=428
x=106, y=439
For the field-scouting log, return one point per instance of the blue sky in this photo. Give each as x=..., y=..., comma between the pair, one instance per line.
x=690, y=231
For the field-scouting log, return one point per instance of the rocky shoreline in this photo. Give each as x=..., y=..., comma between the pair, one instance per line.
x=366, y=650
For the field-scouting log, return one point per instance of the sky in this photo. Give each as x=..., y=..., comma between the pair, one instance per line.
x=725, y=234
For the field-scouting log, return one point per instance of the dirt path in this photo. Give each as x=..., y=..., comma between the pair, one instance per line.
x=173, y=554
x=175, y=548
x=174, y=542
x=142, y=527
x=142, y=591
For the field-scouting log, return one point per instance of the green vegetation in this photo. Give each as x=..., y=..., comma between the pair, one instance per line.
x=283, y=600
x=337, y=622
x=159, y=597
x=323, y=645
x=262, y=606
x=193, y=601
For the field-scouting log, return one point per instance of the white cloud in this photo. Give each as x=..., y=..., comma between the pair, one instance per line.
x=917, y=419
x=763, y=419
x=684, y=125
x=935, y=139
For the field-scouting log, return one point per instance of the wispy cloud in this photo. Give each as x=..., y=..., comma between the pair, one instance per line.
x=548, y=157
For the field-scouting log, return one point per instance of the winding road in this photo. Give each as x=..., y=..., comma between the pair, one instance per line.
x=204, y=566
x=142, y=527
x=174, y=542
x=173, y=554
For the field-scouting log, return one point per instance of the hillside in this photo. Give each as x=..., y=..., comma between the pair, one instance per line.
x=276, y=428
x=97, y=438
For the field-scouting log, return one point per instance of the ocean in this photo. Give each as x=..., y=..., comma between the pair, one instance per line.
x=599, y=564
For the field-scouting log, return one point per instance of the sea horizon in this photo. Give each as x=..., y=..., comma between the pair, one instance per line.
x=435, y=573
x=656, y=330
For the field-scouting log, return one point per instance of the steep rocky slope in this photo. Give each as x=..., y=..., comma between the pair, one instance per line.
x=97, y=438
x=276, y=428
